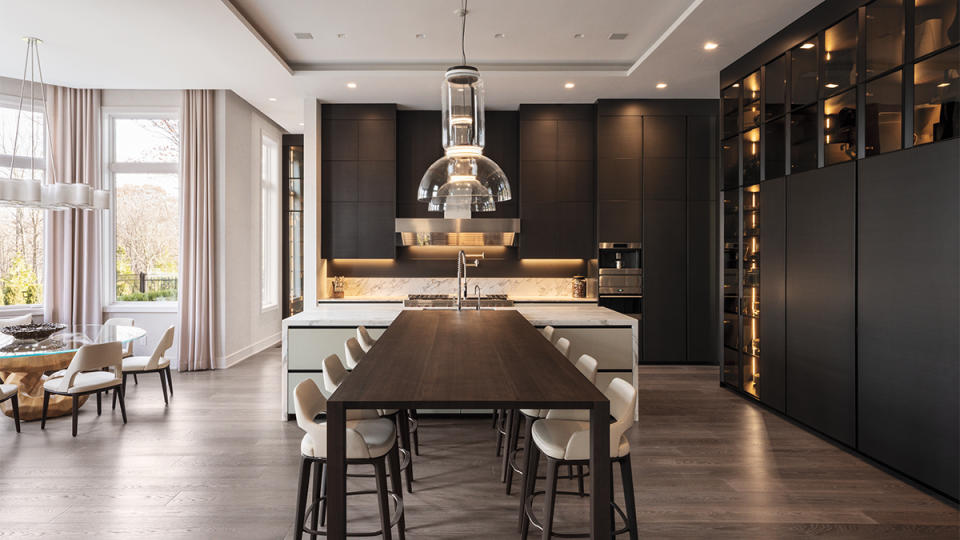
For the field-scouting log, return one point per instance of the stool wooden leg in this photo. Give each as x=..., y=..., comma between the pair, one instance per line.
x=46, y=404
x=322, y=508
x=531, y=462
x=550, y=498
x=317, y=479
x=302, y=491
x=580, y=480
x=75, y=406
x=163, y=384
x=381, y=473
x=404, y=427
x=397, y=488
x=626, y=476
x=501, y=422
x=507, y=444
x=16, y=412
x=515, y=436
x=98, y=403
x=416, y=433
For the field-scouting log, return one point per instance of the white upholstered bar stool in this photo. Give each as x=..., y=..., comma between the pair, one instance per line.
x=85, y=376
x=353, y=353
x=567, y=442
x=548, y=333
x=365, y=339
x=587, y=365
x=334, y=373
x=504, y=418
x=10, y=391
x=155, y=363
x=370, y=441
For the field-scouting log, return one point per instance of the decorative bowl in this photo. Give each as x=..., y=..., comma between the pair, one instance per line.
x=33, y=331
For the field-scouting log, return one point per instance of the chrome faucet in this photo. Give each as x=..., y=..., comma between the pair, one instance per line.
x=476, y=289
x=462, y=274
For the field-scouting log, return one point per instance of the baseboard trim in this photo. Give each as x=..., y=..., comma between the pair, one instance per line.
x=232, y=359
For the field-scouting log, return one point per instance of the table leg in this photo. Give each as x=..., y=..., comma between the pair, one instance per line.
x=600, y=470
x=336, y=471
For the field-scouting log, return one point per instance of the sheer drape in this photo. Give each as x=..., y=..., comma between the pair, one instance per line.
x=72, y=237
x=196, y=292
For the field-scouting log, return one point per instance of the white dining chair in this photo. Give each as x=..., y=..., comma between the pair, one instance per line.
x=366, y=340
x=567, y=442
x=85, y=375
x=11, y=391
x=370, y=441
x=121, y=321
x=155, y=363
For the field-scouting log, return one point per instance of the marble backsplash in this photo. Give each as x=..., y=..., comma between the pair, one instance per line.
x=382, y=287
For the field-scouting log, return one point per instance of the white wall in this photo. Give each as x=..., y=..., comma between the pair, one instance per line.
x=243, y=327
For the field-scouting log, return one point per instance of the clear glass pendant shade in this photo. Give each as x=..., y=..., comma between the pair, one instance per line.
x=464, y=180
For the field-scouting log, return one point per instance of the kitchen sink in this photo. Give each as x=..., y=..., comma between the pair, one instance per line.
x=450, y=301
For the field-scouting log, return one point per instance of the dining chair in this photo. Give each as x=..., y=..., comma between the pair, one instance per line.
x=353, y=353
x=155, y=363
x=370, y=441
x=366, y=340
x=121, y=321
x=334, y=373
x=11, y=391
x=85, y=376
x=567, y=442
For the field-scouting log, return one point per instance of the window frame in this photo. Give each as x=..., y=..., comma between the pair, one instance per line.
x=8, y=101
x=273, y=216
x=109, y=223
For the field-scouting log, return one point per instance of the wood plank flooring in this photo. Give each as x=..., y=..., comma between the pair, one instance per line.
x=217, y=463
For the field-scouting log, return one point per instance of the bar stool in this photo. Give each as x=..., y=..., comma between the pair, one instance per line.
x=366, y=340
x=334, y=373
x=504, y=418
x=548, y=333
x=370, y=441
x=567, y=442
x=587, y=365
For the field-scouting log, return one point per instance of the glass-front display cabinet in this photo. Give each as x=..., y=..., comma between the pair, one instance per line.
x=731, y=287
x=750, y=299
x=293, y=229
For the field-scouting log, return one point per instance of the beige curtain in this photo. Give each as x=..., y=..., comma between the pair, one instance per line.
x=72, y=237
x=196, y=292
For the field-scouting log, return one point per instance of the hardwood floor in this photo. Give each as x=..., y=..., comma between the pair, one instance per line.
x=217, y=463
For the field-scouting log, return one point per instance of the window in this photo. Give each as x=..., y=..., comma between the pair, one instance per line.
x=143, y=154
x=21, y=229
x=269, y=222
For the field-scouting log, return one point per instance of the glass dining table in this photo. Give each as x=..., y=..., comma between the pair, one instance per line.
x=27, y=363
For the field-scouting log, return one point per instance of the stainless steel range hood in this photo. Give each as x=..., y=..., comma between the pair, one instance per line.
x=457, y=232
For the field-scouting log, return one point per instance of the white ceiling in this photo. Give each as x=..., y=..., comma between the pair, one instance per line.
x=248, y=46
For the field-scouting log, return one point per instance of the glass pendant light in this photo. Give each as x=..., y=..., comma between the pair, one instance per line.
x=463, y=180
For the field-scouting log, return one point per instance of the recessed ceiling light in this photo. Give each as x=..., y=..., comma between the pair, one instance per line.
x=736, y=85
x=301, y=123
x=709, y=46
x=498, y=35
x=303, y=35
x=271, y=99
x=351, y=85
x=807, y=46
x=831, y=85
x=341, y=36
x=618, y=36
x=943, y=85
x=569, y=85
x=578, y=36
x=661, y=85
x=421, y=36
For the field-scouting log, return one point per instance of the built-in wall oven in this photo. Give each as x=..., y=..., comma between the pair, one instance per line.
x=620, y=284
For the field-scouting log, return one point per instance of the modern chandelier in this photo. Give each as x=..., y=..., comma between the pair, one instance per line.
x=463, y=180
x=38, y=193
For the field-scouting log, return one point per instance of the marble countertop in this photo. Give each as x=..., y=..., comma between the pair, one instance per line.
x=518, y=299
x=382, y=314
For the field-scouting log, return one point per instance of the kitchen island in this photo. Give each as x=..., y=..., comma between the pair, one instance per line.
x=308, y=337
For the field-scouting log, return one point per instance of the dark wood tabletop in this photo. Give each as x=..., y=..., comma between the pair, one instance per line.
x=446, y=359
x=464, y=359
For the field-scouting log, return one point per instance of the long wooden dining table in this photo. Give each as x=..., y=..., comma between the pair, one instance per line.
x=448, y=359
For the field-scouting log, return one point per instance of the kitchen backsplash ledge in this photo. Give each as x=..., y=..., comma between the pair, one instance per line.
x=392, y=287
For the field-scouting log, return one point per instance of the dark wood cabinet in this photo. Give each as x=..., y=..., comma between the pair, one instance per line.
x=664, y=291
x=664, y=178
x=620, y=221
x=909, y=312
x=620, y=137
x=664, y=136
x=557, y=186
x=773, y=332
x=820, y=295
x=358, y=181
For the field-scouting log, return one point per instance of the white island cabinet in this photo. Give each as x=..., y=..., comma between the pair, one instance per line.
x=310, y=336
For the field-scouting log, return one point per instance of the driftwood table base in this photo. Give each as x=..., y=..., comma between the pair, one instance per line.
x=27, y=373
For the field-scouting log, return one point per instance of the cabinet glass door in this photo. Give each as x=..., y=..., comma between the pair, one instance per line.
x=750, y=301
x=731, y=286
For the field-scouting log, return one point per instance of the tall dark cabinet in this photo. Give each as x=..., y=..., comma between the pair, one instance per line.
x=557, y=181
x=908, y=315
x=773, y=294
x=358, y=180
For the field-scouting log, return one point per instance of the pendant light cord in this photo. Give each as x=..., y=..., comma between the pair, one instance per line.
x=463, y=32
